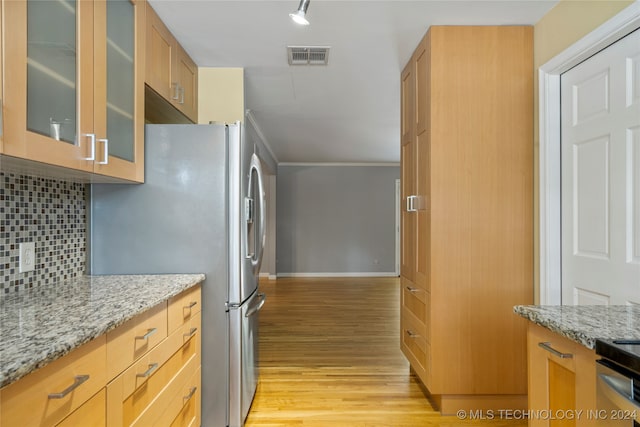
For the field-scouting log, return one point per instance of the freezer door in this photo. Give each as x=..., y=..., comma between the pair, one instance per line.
x=243, y=372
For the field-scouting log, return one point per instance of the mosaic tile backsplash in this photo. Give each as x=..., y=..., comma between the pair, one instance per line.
x=52, y=214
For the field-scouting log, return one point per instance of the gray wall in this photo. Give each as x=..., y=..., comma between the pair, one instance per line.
x=336, y=219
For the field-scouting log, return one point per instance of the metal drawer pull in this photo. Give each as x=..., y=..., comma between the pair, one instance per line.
x=412, y=334
x=412, y=290
x=145, y=374
x=192, y=391
x=190, y=306
x=192, y=331
x=147, y=335
x=547, y=346
x=79, y=379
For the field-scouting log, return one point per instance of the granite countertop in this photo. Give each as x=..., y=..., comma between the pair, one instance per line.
x=42, y=324
x=585, y=323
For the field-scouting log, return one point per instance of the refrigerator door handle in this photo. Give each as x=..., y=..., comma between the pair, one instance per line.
x=253, y=310
x=256, y=256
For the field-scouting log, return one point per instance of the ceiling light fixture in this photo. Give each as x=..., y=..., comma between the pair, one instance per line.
x=299, y=16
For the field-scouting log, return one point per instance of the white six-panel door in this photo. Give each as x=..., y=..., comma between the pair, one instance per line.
x=600, y=150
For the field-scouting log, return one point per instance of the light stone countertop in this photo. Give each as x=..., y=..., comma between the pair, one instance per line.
x=585, y=323
x=42, y=324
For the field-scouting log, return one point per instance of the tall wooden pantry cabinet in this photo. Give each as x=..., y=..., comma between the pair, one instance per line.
x=467, y=214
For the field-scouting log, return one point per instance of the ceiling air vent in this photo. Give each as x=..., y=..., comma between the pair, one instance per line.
x=308, y=55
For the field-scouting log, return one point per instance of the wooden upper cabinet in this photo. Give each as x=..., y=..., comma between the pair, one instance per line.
x=48, y=101
x=119, y=104
x=187, y=72
x=159, y=50
x=170, y=71
x=74, y=88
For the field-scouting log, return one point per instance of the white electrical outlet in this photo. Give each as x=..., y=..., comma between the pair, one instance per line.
x=27, y=258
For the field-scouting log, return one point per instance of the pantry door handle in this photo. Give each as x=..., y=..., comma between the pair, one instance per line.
x=148, y=334
x=78, y=380
x=561, y=355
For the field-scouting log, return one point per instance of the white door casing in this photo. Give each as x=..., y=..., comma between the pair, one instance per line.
x=617, y=27
x=600, y=139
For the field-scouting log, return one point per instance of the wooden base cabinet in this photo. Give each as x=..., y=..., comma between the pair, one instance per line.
x=135, y=375
x=467, y=214
x=562, y=380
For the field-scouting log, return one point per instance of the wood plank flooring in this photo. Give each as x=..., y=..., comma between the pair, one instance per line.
x=330, y=356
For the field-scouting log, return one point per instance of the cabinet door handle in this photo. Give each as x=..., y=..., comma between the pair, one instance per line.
x=192, y=391
x=106, y=151
x=78, y=380
x=561, y=355
x=181, y=95
x=148, y=372
x=191, y=332
x=92, y=139
x=148, y=334
x=191, y=305
x=412, y=290
x=412, y=334
x=176, y=91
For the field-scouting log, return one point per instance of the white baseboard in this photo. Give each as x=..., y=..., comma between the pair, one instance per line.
x=268, y=276
x=350, y=274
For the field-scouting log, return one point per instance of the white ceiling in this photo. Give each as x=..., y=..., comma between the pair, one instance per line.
x=349, y=110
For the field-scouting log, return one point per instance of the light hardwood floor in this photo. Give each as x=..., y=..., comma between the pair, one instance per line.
x=330, y=356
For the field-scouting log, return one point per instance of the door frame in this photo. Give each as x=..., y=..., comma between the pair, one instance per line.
x=625, y=22
x=397, y=230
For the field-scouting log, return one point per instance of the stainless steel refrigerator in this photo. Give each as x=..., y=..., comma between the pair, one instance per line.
x=200, y=210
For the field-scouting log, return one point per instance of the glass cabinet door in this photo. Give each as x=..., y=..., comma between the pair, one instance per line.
x=119, y=109
x=48, y=75
x=120, y=78
x=51, y=69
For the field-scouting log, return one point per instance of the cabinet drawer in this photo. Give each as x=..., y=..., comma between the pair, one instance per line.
x=133, y=377
x=91, y=414
x=416, y=301
x=190, y=399
x=132, y=340
x=414, y=343
x=183, y=306
x=28, y=402
x=131, y=394
x=167, y=404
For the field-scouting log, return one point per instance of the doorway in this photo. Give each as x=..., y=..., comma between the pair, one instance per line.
x=550, y=144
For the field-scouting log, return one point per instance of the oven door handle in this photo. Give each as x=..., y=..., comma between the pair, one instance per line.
x=617, y=395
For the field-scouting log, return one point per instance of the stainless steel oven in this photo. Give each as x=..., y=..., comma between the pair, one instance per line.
x=618, y=383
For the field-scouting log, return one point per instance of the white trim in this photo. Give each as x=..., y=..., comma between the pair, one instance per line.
x=364, y=274
x=250, y=118
x=268, y=276
x=337, y=164
x=614, y=29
